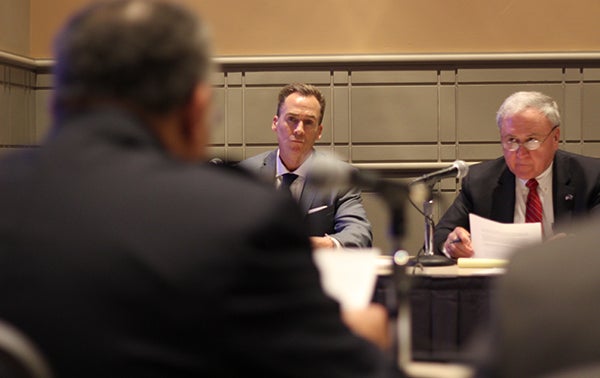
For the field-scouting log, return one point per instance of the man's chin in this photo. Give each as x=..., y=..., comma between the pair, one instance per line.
x=296, y=147
x=525, y=174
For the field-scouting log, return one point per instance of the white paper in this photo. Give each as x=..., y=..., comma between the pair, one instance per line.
x=348, y=275
x=496, y=240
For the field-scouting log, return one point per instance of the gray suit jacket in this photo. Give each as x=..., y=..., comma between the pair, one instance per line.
x=344, y=218
x=489, y=191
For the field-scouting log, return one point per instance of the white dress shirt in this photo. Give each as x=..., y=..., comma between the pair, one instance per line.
x=544, y=191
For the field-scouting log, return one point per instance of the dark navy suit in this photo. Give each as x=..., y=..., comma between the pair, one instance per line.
x=120, y=261
x=488, y=190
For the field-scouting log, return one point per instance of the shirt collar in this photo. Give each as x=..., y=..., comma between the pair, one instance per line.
x=301, y=171
x=544, y=179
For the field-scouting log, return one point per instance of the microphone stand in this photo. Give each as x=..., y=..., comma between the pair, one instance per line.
x=397, y=296
x=429, y=258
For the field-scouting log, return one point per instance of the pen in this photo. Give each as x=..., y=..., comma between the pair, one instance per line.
x=457, y=240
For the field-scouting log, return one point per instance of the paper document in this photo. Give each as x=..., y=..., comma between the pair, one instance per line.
x=348, y=275
x=496, y=240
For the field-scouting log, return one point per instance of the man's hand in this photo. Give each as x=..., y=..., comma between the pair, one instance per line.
x=370, y=323
x=458, y=243
x=322, y=242
x=557, y=236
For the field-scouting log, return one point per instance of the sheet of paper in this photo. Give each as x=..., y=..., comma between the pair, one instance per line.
x=496, y=240
x=348, y=275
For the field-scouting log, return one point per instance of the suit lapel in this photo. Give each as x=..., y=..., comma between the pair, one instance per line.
x=267, y=172
x=307, y=198
x=563, y=188
x=503, y=197
x=312, y=196
x=268, y=169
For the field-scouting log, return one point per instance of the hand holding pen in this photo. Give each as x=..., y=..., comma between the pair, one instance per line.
x=458, y=243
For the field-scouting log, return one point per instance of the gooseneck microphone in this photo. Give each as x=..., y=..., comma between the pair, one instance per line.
x=458, y=169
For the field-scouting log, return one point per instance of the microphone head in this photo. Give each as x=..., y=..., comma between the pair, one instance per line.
x=462, y=168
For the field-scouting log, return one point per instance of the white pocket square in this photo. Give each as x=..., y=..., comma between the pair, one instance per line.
x=316, y=209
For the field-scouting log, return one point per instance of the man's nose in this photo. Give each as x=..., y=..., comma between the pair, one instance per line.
x=299, y=128
x=522, y=150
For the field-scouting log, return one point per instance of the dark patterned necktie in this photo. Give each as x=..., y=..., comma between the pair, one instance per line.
x=287, y=179
x=533, y=209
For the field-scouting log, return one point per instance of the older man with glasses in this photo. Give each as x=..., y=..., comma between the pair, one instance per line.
x=533, y=182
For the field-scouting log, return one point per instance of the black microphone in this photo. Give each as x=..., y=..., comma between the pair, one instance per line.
x=326, y=172
x=343, y=176
x=458, y=169
x=328, y=175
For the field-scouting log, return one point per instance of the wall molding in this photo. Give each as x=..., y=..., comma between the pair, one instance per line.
x=18, y=60
x=486, y=59
x=411, y=59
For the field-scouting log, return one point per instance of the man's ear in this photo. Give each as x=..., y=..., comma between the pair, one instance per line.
x=320, y=131
x=274, y=124
x=196, y=120
x=198, y=106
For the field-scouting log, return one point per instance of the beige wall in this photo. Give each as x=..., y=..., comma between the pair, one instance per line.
x=381, y=114
x=14, y=26
x=402, y=115
x=401, y=112
x=274, y=27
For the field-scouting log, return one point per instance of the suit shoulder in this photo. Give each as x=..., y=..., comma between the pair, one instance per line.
x=487, y=168
x=255, y=161
x=581, y=159
x=235, y=176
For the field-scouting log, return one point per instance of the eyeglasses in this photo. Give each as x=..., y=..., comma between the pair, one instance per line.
x=530, y=144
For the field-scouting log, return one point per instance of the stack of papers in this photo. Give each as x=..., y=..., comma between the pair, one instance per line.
x=495, y=240
x=348, y=275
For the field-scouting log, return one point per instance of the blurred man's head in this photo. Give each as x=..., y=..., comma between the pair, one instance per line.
x=150, y=57
x=529, y=131
x=298, y=122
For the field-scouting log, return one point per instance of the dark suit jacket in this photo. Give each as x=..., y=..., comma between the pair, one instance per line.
x=119, y=261
x=344, y=218
x=488, y=190
x=546, y=310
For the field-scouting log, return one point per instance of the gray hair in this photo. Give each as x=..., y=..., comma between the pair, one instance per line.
x=519, y=101
x=147, y=54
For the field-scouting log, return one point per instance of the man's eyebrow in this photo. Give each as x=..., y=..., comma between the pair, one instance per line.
x=531, y=135
x=301, y=115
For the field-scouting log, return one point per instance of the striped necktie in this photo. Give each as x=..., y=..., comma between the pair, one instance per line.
x=533, y=209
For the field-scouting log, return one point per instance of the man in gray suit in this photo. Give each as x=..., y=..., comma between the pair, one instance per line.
x=336, y=218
